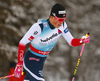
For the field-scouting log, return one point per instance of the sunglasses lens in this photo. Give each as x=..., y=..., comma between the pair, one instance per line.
x=61, y=20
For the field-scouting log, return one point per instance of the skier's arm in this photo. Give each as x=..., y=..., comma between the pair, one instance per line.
x=69, y=38
x=34, y=31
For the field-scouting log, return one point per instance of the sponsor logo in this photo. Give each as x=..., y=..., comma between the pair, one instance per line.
x=45, y=24
x=66, y=30
x=54, y=35
x=62, y=12
x=44, y=53
x=64, y=15
x=35, y=33
x=59, y=31
x=40, y=72
x=31, y=38
x=31, y=58
x=21, y=55
x=17, y=75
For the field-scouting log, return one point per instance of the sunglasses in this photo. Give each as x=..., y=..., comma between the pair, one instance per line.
x=59, y=19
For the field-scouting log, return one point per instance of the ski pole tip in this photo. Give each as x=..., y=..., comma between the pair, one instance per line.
x=87, y=34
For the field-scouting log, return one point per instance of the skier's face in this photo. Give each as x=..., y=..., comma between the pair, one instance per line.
x=57, y=22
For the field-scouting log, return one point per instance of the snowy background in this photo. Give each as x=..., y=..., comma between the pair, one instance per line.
x=17, y=16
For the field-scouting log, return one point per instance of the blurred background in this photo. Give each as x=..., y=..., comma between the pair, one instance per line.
x=17, y=16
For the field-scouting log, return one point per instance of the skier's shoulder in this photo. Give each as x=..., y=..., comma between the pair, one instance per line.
x=64, y=24
x=41, y=20
x=41, y=23
x=65, y=27
x=38, y=25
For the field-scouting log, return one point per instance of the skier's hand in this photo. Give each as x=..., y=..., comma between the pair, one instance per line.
x=18, y=70
x=85, y=39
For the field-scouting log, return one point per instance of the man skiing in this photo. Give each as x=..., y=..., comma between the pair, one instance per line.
x=42, y=37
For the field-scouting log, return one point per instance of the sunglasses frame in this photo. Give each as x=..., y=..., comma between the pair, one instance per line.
x=59, y=19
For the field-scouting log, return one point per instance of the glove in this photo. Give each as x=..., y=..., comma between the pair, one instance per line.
x=18, y=70
x=85, y=39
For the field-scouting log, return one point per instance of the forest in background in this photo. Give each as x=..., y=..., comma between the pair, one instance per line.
x=17, y=16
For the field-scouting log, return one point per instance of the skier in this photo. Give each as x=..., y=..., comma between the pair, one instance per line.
x=43, y=36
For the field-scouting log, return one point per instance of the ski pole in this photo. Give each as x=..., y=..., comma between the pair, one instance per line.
x=79, y=59
x=78, y=62
x=6, y=76
x=9, y=76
